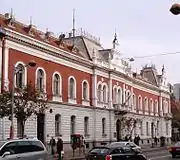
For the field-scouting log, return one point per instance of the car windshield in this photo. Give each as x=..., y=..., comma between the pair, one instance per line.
x=1, y=143
x=99, y=150
x=117, y=144
x=177, y=144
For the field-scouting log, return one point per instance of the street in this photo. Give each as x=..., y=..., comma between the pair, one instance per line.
x=159, y=154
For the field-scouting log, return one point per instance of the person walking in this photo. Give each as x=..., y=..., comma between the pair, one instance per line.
x=59, y=148
x=52, y=145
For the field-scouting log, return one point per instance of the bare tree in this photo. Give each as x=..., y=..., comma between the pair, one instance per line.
x=27, y=102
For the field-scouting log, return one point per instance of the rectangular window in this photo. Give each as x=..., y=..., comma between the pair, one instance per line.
x=167, y=126
x=86, y=126
x=147, y=128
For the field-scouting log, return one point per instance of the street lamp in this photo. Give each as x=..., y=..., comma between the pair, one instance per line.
x=15, y=71
x=2, y=37
x=175, y=9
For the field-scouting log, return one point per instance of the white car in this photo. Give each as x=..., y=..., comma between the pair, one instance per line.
x=23, y=149
x=126, y=143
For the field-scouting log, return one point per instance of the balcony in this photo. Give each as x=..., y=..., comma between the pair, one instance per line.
x=119, y=109
x=167, y=116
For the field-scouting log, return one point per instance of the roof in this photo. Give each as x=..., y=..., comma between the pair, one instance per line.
x=31, y=31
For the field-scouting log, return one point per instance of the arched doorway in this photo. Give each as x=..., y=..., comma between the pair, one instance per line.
x=118, y=130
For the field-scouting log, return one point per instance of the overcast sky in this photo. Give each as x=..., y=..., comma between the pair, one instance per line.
x=144, y=27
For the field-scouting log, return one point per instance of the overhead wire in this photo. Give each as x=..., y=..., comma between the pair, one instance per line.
x=154, y=55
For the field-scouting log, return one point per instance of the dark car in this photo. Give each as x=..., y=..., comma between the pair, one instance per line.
x=175, y=149
x=114, y=153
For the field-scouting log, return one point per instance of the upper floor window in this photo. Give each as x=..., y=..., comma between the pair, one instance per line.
x=165, y=106
x=151, y=106
x=86, y=126
x=20, y=76
x=99, y=92
x=119, y=97
x=140, y=103
x=104, y=93
x=72, y=88
x=134, y=101
x=40, y=79
x=57, y=124
x=146, y=104
x=56, y=84
x=73, y=123
x=85, y=90
x=156, y=106
x=115, y=95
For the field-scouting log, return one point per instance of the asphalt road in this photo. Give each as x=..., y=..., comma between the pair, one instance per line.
x=159, y=154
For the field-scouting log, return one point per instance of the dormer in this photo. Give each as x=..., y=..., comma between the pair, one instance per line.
x=48, y=34
x=31, y=29
x=60, y=40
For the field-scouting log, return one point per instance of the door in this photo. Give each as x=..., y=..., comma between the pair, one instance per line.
x=118, y=123
x=40, y=127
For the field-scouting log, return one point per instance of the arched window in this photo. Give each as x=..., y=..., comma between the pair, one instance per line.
x=115, y=95
x=140, y=103
x=146, y=104
x=103, y=126
x=99, y=92
x=156, y=106
x=86, y=126
x=73, y=124
x=40, y=79
x=128, y=98
x=56, y=84
x=151, y=106
x=20, y=76
x=57, y=124
x=72, y=88
x=119, y=96
x=104, y=93
x=85, y=90
x=134, y=101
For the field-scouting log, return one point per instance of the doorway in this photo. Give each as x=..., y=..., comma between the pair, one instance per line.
x=118, y=130
x=40, y=127
x=152, y=130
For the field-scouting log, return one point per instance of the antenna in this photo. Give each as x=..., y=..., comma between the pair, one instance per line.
x=30, y=20
x=11, y=14
x=73, y=30
x=115, y=42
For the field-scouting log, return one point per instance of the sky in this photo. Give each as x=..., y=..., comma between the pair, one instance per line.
x=143, y=27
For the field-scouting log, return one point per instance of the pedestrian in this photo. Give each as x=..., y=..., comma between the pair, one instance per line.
x=155, y=140
x=52, y=145
x=138, y=139
x=59, y=148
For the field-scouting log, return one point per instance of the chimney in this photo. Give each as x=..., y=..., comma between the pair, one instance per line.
x=70, y=34
x=7, y=15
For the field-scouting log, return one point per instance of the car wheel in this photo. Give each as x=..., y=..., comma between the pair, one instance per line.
x=173, y=155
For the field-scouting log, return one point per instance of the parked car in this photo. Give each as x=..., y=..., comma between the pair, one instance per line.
x=114, y=153
x=25, y=149
x=126, y=143
x=175, y=149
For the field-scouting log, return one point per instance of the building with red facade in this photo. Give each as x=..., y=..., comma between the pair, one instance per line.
x=89, y=88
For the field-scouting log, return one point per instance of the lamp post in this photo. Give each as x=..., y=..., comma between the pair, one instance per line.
x=175, y=9
x=15, y=71
x=2, y=37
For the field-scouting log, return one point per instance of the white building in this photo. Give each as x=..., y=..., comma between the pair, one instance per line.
x=89, y=88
